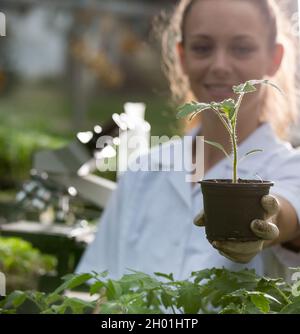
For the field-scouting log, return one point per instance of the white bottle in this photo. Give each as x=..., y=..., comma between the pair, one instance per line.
x=134, y=141
x=2, y=285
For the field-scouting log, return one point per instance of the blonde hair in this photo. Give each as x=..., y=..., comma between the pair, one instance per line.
x=280, y=112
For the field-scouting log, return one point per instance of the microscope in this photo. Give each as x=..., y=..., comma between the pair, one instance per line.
x=59, y=175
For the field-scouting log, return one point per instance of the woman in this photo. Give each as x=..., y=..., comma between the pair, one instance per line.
x=148, y=224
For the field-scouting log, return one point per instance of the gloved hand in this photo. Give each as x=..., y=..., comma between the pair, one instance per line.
x=243, y=252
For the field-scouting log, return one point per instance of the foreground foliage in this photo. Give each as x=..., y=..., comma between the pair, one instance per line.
x=207, y=291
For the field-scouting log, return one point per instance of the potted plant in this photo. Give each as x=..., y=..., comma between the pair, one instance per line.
x=230, y=205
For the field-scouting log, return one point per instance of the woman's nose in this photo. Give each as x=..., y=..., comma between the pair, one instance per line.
x=220, y=62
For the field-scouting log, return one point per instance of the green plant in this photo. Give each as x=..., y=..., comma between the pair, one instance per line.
x=22, y=264
x=17, y=148
x=206, y=291
x=227, y=111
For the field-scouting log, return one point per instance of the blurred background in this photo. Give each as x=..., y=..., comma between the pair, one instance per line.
x=66, y=66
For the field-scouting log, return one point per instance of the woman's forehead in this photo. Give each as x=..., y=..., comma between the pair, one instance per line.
x=228, y=18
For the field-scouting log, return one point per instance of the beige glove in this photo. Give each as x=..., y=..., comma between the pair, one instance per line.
x=243, y=252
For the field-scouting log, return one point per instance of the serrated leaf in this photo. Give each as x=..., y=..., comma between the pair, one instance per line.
x=112, y=307
x=249, y=86
x=292, y=308
x=96, y=287
x=189, y=298
x=114, y=290
x=231, y=308
x=203, y=274
x=166, y=299
x=16, y=298
x=261, y=302
x=147, y=282
x=53, y=298
x=243, y=88
x=73, y=281
x=218, y=146
x=266, y=82
x=192, y=108
x=228, y=108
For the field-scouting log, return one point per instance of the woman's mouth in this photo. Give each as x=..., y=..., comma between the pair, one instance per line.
x=219, y=91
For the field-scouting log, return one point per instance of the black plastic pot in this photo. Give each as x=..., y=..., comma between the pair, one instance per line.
x=230, y=208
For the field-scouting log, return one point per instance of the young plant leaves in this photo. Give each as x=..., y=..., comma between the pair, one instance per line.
x=249, y=153
x=249, y=86
x=192, y=108
x=228, y=108
x=219, y=146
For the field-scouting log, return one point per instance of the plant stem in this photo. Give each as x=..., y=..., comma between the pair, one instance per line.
x=228, y=128
x=235, y=157
x=234, y=139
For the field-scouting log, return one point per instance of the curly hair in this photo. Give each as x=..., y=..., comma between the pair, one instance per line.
x=280, y=112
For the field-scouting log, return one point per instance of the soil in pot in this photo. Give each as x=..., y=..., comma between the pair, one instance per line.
x=230, y=208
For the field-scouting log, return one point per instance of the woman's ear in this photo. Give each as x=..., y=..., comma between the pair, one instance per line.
x=181, y=55
x=277, y=56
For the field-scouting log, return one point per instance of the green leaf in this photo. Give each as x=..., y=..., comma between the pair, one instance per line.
x=203, y=274
x=17, y=298
x=168, y=277
x=152, y=298
x=292, y=308
x=228, y=108
x=114, y=290
x=112, y=307
x=189, y=298
x=167, y=299
x=73, y=281
x=249, y=153
x=261, y=302
x=219, y=146
x=192, y=108
x=249, y=86
x=96, y=287
x=266, y=82
x=146, y=281
x=243, y=88
x=53, y=298
x=231, y=308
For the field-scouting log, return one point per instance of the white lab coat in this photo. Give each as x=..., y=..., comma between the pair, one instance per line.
x=147, y=225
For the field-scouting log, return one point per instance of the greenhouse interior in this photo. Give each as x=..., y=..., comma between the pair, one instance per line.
x=101, y=139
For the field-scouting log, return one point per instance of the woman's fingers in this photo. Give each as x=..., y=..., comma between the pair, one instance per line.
x=241, y=252
x=270, y=205
x=238, y=258
x=238, y=247
x=264, y=229
x=199, y=219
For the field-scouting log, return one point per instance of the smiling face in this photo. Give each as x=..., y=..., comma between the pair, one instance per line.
x=225, y=43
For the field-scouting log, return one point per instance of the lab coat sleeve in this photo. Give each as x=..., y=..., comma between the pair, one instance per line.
x=287, y=185
x=104, y=252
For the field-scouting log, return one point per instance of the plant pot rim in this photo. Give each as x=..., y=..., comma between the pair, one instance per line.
x=241, y=183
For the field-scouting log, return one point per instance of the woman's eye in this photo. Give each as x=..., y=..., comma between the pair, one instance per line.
x=201, y=49
x=242, y=50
